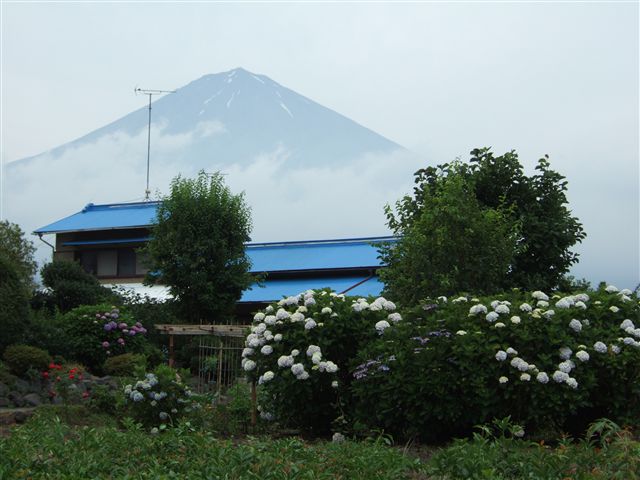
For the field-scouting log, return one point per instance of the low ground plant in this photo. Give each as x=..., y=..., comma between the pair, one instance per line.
x=22, y=358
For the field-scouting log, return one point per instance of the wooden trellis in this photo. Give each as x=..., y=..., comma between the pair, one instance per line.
x=228, y=349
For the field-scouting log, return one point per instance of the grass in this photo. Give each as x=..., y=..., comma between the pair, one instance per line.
x=71, y=443
x=47, y=447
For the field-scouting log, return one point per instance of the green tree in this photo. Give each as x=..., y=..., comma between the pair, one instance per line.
x=69, y=286
x=451, y=244
x=14, y=314
x=197, y=247
x=18, y=251
x=535, y=207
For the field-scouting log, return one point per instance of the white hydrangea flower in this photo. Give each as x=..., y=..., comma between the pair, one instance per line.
x=254, y=342
x=282, y=314
x=334, y=384
x=548, y=314
x=285, y=361
x=303, y=376
x=249, y=365
x=625, y=299
x=442, y=299
x=501, y=355
x=516, y=320
x=461, y=332
x=297, y=369
x=309, y=301
x=494, y=304
x=277, y=337
x=389, y=306
x=295, y=352
x=499, y=325
x=266, y=350
x=302, y=309
x=628, y=341
x=525, y=307
x=260, y=328
x=565, y=353
x=326, y=311
x=542, y=377
x=297, y=317
x=566, y=366
x=357, y=307
x=316, y=358
x=559, y=376
x=268, y=376
x=615, y=349
x=538, y=295
x=309, y=324
x=312, y=349
x=331, y=367
x=597, y=302
x=502, y=309
x=458, y=300
x=381, y=326
x=542, y=304
x=477, y=309
x=575, y=325
x=520, y=364
x=512, y=351
x=258, y=317
x=247, y=352
x=475, y=300
x=525, y=377
x=582, y=356
x=611, y=289
x=572, y=382
x=503, y=379
x=563, y=303
x=581, y=305
x=394, y=317
x=614, y=309
x=491, y=316
x=600, y=347
x=269, y=309
x=581, y=297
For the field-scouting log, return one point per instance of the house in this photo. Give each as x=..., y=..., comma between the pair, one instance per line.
x=105, y=240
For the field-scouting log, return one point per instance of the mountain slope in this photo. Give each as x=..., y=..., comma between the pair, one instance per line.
x=237, y=115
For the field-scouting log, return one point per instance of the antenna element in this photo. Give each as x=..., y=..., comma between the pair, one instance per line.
x=151, y=93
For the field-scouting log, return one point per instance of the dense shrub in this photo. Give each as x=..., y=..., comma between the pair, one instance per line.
x=162, y=398
x=14, y=302
x=300, y=351
x=124, y=365
x=69, y=286
x=548, y=363
x=22, y=358
x=94, y=333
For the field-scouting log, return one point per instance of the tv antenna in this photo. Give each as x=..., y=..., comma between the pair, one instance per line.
x=150, y=93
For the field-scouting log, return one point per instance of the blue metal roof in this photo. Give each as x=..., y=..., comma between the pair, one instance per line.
x=105, y=217
x=315, y=255
x=277, y=289
x=107, y=241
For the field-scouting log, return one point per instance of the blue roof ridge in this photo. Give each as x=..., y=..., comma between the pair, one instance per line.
x=337, y=241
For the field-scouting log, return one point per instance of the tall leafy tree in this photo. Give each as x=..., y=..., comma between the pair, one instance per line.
x=451, y=243
x=197, y=247
x=536, y=208
x=18, y=251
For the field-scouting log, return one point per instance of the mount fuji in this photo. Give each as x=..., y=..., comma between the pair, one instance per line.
x=307, y=171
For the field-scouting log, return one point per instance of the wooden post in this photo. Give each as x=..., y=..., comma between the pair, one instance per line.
x=219, y=385
x=254, y=405
x=171, y=359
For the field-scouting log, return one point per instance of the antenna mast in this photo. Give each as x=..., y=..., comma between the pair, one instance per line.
x=150, y=93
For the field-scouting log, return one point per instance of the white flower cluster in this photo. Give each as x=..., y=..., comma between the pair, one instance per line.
x=477, y=309
x=378, y=304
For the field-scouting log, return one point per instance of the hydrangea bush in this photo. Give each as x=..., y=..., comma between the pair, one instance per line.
x=159, y=399
x=549, y=362
x=95, y=333
x=301, y=351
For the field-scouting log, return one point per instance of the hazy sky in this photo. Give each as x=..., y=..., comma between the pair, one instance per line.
x=437, y=78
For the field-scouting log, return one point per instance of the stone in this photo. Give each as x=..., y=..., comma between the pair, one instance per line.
x=16, y=399
x=32, y=399
x=22, y=386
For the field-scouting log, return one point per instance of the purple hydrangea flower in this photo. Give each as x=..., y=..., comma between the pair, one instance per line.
x=122, y=325
x=107, y=327
x=121, y=341
x=132, y=332
x=105, y=344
